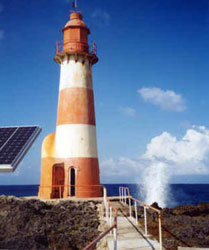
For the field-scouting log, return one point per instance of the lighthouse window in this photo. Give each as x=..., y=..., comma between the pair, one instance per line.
x=72, y=181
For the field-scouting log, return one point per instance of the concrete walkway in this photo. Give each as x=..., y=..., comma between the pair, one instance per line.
x=130, y=236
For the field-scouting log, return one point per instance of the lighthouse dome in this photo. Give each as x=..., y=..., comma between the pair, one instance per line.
x=75, y=20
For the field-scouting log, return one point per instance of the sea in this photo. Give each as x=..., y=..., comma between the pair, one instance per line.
x=181, y=194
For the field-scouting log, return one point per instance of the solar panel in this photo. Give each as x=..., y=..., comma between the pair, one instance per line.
x=14, y=144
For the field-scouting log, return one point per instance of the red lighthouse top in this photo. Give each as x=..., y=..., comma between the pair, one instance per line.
x=76, y=20
x=75, y=34
x=75, y=39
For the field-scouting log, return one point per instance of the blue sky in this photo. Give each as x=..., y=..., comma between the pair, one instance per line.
x=150, y=84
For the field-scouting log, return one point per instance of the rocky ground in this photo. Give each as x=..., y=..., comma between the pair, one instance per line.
x=33, y=224
x=186, y=226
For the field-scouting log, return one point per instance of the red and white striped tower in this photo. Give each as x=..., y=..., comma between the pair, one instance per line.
x=69, y=155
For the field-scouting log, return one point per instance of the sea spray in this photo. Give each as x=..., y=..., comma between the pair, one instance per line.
x=166, y=155
x=155, y=186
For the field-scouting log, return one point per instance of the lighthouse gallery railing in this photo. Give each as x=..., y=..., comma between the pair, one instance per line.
x=92, y=47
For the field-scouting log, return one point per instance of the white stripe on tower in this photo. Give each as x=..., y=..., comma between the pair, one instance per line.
x=76, y=140
x=75, y=74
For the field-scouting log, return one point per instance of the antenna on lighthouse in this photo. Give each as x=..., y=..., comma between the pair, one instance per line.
x=74, y=4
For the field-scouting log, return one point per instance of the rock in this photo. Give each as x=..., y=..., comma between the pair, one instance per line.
x=166, y=212
x=155, y=205
x=186, y=226
x=34, y=224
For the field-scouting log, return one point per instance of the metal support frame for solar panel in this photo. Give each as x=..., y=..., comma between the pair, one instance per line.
x=14, y=144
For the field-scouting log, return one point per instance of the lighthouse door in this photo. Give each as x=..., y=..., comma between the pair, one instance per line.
x=72, y=181
x=58, y=177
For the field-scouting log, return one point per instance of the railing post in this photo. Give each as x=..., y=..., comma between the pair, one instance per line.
x=103, y=210
x=105, y=195
x=130, y=212
x=145, y=221
x=115, y=234
x=136, y=215
x=122, y=195
x=60, y=191
x=110, y=222
x=119, y=194
x=94, y=48
x=126, y=196
x=160, y=231
x=107, y=211
x=111, y=219
x=57, y=47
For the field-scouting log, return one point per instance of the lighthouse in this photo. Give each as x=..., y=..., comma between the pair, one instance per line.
x=69, y=155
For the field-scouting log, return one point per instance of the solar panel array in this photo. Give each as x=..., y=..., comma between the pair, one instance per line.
x=14, y=143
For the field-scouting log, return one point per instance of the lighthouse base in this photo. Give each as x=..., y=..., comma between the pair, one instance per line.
x=77, y=177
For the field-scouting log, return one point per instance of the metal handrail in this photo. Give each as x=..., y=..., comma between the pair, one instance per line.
x=102, y=235
x=62, y=187
x=124, y=194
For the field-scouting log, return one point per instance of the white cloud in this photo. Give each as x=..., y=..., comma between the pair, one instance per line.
x=186, y=156
x=1, y=34
x=101, y=17
x=123, y=166
x=165, y=99
x=127, y=111
x=108, y=167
